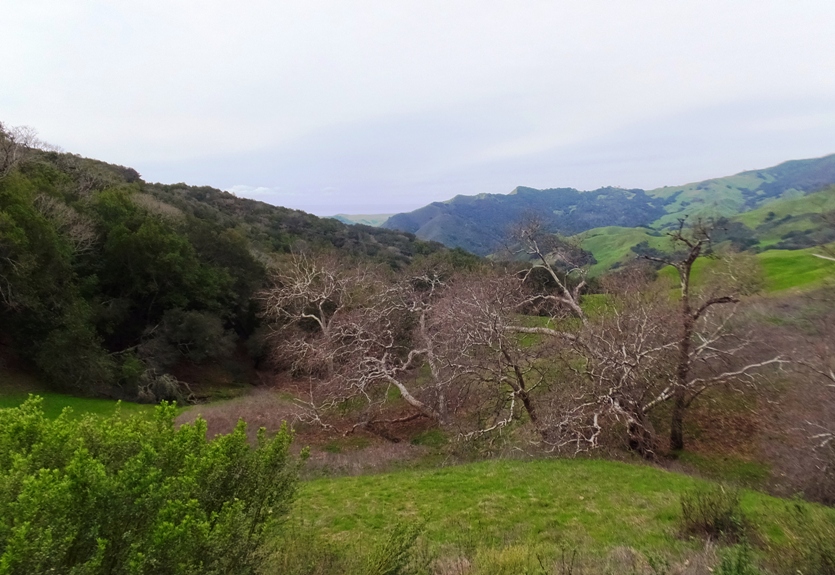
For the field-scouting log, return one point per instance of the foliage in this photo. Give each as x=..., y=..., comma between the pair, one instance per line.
x=714, y=513
x=811, y=543
x=106, y=279
x=737, y=561
x=302, y=550
x=133, y=495
x=393, y=555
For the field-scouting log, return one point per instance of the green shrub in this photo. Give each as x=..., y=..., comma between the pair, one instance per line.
x=301, y=549
x=393, y=556
x=737, y=561
x=713, y=512
x=131, y=495
x=811, y=542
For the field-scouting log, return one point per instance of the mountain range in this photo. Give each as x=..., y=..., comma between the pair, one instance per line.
x=480, y=223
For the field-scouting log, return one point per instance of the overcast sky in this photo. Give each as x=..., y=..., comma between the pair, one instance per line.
x=378, y=107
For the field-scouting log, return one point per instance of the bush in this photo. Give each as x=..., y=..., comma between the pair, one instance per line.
x=713, y=512
x=136, y=495
x=811, y=542
x=737, y=561
x=394, y=555
x=302, y=550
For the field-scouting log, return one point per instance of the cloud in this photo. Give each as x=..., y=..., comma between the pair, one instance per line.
x=245, y=191
x=380, y=106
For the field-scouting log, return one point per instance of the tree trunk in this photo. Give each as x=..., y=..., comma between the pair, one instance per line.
x=683, y=366
x=677, y=422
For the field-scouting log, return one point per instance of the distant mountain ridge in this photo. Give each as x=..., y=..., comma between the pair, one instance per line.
x=373, y=220
x=480, y=223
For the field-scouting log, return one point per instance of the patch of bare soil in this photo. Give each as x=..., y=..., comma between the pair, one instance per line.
x=338, y=451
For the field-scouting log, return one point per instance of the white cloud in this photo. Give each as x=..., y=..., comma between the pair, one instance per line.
x=250, y=191
x=394, y=103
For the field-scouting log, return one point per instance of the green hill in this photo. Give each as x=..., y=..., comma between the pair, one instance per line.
x=517, y=516
x=480, y=223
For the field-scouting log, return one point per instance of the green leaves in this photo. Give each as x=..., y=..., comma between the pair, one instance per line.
x=129, y=495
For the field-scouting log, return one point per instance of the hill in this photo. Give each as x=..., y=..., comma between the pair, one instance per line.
x=480, y=223
x=525, y=516
x=791, y=224
x=114, y=286
x=373, y=220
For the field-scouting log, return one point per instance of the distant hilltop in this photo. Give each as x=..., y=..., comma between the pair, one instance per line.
x=479, y=223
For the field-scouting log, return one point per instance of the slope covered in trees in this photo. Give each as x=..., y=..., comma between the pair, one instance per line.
x=109, y=283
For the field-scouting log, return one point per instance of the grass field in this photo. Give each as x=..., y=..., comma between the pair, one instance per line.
x=783, y=270
x=15, y=387
x=539, y=504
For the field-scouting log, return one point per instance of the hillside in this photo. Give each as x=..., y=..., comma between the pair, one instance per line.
x=480, y=223
x=793, y=222
x=114, y=286
x=374, y=220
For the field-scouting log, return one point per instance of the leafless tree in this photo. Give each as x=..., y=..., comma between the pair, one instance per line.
x=508, y=370
x=366, y=334
x=76, y=228
x=16, y=143
x=555, y=257
x=308, y=294
x=701, y=345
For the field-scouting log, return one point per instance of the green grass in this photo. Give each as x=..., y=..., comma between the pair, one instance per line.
x=727, y=468
x=599, y=504
x=613, y=244
x=785, y=269
x=15, y=388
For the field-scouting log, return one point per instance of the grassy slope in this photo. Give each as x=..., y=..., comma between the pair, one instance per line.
x=15, y=387
x=596, y=503
x=725, y=197
x=613, y=244
x=801, y=210
x=783, y=269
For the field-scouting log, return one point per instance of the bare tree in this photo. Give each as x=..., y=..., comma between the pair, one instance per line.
x=619, y=362
x=695, y=345
x=507, y=369
x=77, y=229
x=16, y=143
x=555, y=257
x=365, y=335
x=307, y=296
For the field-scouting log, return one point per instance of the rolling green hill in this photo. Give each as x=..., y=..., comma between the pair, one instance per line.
x=784, y=229
x=480, y=223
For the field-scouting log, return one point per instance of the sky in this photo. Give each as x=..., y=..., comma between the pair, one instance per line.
x=384, y=106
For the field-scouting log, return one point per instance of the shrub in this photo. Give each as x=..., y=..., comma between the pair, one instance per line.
x=713, y=512
x=136, y=495
x=393, y=556
x=811, y=542
x=302, y=550
x=737, y=561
